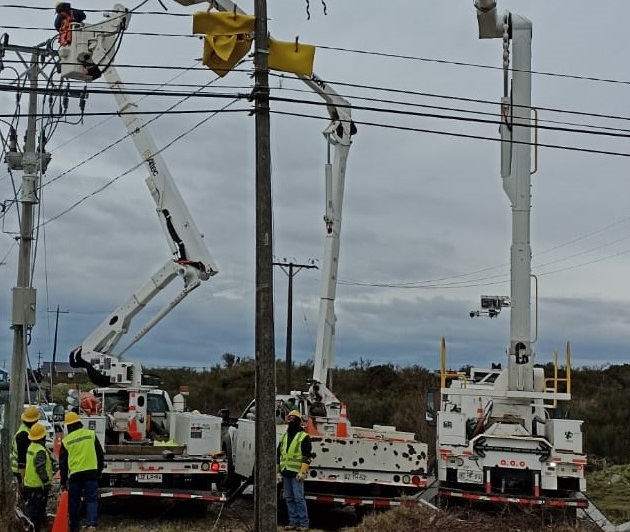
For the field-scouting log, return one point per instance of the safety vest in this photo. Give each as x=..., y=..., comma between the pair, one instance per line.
x=291, y=458
x=81, y=453
x=65, y=31
x=14, y=449
x=31, y=478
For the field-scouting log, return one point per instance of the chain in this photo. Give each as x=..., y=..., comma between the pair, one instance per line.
x=506, y=52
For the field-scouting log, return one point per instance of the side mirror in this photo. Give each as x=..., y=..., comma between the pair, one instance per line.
x=224, y=414
x=58, y=413
x=432, y=399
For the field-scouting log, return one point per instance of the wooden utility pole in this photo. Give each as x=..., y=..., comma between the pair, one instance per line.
x=291, y=269
x=265, y=501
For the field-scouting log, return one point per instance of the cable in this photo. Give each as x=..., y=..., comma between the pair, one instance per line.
x=353, y=50
x=400, y=112
x=362, y=86
x=101, y=122
x=464, y=135
x=137, y=165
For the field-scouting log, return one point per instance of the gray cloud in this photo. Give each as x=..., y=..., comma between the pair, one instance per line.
x=418, y=206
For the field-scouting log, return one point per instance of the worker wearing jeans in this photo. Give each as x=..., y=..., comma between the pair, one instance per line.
x=81, y=461
x=293, y=459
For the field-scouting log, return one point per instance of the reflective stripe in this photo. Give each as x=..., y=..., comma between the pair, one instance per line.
x=81, y=452
x=65, y=31
x=14, y=451
x=31, y=478
x=291, y=458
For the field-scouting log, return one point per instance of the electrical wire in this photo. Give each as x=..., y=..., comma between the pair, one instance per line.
x=389, y=90
x=462, y=135
x=373, y=53
x=137, y=165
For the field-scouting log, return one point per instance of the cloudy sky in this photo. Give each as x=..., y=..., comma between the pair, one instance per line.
x=419, y=207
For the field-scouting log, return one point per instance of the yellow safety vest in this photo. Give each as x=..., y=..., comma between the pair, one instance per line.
x=31, y=478
x=14, y=450
x=291, y=458
x=81, y=453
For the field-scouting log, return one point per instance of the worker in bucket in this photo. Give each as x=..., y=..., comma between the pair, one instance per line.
x=293, y=459
x=81, y=462
x=37, y=477
x=20, y=442
x=66, y=15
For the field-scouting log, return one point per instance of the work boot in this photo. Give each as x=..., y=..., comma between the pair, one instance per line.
x=289, y=527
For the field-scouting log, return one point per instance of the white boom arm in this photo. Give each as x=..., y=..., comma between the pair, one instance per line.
x=516, y=138
x=192, y=261
x=338, y=134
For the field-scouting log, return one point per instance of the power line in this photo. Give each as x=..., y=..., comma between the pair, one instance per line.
x=375, y=53
x=134, y=167
x=464, y=135
x=60, y=91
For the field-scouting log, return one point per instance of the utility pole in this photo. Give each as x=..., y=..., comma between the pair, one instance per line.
x=24, y=295
x=32, y=160
x=291, y=269
x=265, y=501
x=54, y=354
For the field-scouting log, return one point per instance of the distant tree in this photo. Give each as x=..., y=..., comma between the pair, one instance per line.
x=228, y=359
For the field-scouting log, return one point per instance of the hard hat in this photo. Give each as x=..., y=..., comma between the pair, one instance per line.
x=72, y=418
x=30, y=414
x=294, y=413
x=37, y=432
x=195, y=412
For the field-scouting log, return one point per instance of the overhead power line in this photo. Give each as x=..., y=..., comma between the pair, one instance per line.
x=610, y=132
x=375, y=53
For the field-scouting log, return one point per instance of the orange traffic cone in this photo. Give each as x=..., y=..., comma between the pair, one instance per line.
x=57, y=443
x=342, y=424
x=60, y=524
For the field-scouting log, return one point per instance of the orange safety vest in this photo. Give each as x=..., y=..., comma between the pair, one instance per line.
x=65, y=31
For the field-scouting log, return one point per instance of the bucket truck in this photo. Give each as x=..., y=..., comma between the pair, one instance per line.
x=496, y=438
x=351, y=465
x=152, y=447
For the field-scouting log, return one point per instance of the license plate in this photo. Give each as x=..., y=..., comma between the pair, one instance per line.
x=149, y=477
x=469, y=475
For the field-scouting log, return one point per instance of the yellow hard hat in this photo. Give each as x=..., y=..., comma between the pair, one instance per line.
x=294, y=413
x=72, y=418
x=30, y=414
x=37, y=432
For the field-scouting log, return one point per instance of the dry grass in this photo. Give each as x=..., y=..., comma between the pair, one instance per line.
x=458, y=520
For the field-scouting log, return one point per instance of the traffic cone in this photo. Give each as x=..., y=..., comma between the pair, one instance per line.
x=57, y=443
x=60, y=524
x=342, y=424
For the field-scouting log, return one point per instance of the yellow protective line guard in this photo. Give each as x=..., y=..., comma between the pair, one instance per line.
x=292, y=57
x=222, y=23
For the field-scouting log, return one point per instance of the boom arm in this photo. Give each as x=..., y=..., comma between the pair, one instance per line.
x=338, y=134
x=95, y=45
x=516, y=139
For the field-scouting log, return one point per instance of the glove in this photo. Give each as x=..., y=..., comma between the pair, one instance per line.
x=302, y=474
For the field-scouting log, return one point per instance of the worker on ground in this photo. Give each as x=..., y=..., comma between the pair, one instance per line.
x=37, y=477
x=20, y=443
x=293, y=459
x=80, y=463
